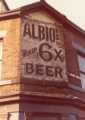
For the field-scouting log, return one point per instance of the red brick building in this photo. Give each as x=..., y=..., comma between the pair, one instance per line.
x=42, y=65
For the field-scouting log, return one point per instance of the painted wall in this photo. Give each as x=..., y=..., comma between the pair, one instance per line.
x=43, y=52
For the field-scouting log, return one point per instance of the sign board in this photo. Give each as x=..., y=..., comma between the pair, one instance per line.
x=43, y=54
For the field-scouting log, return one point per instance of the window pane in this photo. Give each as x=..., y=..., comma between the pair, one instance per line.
x=72, y=117
x=1, y=46
x=44, y=118
x=69, y=117
x=81, y=61
x=82, y=77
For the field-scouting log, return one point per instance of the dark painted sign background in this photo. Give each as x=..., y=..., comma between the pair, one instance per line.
x=43, y=54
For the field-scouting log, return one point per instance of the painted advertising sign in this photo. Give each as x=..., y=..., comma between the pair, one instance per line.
x=43, y=54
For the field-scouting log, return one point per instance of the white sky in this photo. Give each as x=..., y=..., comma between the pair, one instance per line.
x=73, y=9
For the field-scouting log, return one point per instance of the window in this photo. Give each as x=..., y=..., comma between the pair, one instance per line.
x=42, y=116
x=1, y=46
x=2, y=35
x=81, y=61
x=50, y=116
x=72, y=117
x=69, y=117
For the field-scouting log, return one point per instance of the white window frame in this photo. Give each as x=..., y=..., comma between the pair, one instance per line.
x=2, y=36
x=1, y=51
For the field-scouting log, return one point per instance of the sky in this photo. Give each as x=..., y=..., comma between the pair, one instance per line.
x=72, y=9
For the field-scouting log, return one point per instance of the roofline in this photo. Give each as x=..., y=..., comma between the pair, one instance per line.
x=64, y=18
x=65, y=21
x=6, y=4
x=9, y=14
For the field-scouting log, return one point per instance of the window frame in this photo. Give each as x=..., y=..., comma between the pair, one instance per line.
x=1, y=56
x=81, y=72
x=59, y=116
x=79, y=49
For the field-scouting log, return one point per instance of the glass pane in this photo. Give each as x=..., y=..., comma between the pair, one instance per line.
x=78, y=47
x=81, y=61
x=69, y=117
x=44, y=118
x=1, y=43
x=72, y=117
x=82, y=77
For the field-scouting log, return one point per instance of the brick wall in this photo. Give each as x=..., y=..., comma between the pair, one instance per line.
x=11, y=55
x=11, y=49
